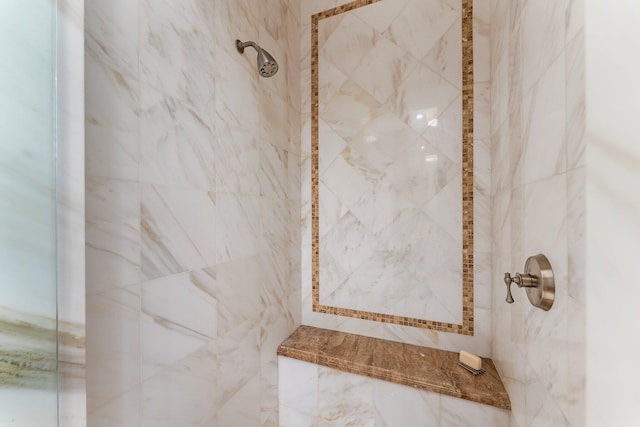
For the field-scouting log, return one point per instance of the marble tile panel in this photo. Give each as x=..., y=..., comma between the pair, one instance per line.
x=298, y=384
x=237, y=163
x=457, y=413
x=113, y=345
x=113, y=247
x=543, y=37
x=239, y=280
x=125, y=410
x=179, y=230
x=482, y=166
x=238, y=351
x=424, y=21
x=269, y=394
x=164, y=343
x=238, y=227
x=382, y=69
x=349, y=43
x=545, y=125
x=576, y=235
x=574, y=20
x=243, y=409
x=112, y=35
x=113, y=106
x=444, y=131
x=422, y=97
x=275, y=223
x=333, y=408
x=174, y=136
x=421, y=173
x=401, y=406
x=380, y=14
x=186, y=299
x=273, y=170
x=292, y=418
x=179, y=56
x=183, y=393
x=445, y=57
x=482, y=23
x=575, y=101
x=482, y=110
x=341, y=171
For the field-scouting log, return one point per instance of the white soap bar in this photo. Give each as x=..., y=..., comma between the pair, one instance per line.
x=471, y=360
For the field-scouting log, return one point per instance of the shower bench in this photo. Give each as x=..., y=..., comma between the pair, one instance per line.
x=335, y=379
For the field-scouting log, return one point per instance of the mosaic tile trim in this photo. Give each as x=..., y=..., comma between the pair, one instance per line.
x=466, y=328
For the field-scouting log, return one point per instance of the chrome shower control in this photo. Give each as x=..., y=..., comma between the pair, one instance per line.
x=537, y=279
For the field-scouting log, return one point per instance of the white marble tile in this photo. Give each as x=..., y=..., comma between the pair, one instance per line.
x=113, y=345
x=422, y=97
x=183, y=393
x=273, y=170
x=238, y=227
x=237, y=159
x=178, y=58
x=243, y=409
x=179, y=230
x=401, y=406
x=239, y=281
x=382, y=69
x=186, y=299
x=112, y=34
x=112, y=233
x=349, y=110
x=238, y=352
x=344, y=398
x=543, y=37
x=349, y=43
x=174, y=136
x=421, y=173
x=482, y=23
x=424, y=21
x=462, y=413
x=298, y=383
x=445, y=57
x=113, y=106
x=163, y=344
x=292, y=418
x=125, y=410
x=380, y=14
x=545, y=125
x=575, y=101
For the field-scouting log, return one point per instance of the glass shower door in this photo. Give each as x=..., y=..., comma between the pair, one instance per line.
x=28, y=315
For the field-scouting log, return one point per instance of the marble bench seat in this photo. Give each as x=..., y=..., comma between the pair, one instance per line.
x=382, y=368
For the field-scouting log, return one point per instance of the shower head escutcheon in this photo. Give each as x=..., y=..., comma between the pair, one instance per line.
x=267, y=66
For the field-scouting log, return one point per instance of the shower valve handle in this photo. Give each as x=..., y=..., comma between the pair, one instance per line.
x=522, y=280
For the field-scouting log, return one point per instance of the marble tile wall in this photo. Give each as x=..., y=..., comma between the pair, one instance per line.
x=313, y=395
x=381, y=17
x=538, y=203
x=42, y=208
x=193, y=195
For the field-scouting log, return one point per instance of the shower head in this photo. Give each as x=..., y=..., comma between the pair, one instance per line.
x=267, y=66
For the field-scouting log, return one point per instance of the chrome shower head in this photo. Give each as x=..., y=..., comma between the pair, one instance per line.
x=267, y=66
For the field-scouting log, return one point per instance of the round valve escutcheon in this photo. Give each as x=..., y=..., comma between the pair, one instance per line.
x=538, y=281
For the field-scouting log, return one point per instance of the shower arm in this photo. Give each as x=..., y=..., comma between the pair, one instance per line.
x=241, y=46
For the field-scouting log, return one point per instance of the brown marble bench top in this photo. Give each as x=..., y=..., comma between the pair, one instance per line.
x=420, y=367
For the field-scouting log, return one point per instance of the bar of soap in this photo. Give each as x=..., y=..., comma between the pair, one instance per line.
x=471, y=360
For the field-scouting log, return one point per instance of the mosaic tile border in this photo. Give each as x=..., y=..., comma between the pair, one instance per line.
x=466, y=328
